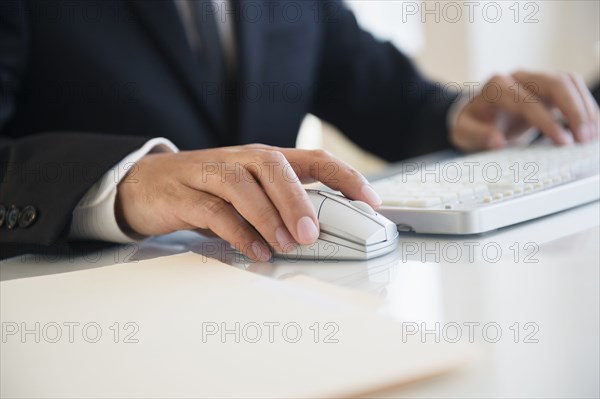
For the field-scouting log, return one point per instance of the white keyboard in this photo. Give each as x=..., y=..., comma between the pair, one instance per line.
x=486, y=191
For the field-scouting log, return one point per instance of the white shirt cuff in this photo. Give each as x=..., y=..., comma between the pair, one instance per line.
x=94, y=217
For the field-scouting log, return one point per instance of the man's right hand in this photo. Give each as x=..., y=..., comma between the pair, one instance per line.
x=248, y=195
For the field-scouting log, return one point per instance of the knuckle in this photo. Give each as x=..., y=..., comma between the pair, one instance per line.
x=214, y=206
x=501, y=80
x=256, y=146
x=299, y=202
x=241, y=233
x=269, y=156
x=256, y=154
x=276, y=157
x=266, y=216
x=322, y=154
x=297, y=197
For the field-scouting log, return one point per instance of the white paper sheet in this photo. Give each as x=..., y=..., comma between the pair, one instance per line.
x=173, y=306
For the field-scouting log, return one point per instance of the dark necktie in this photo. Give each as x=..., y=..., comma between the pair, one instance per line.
x=211, y=57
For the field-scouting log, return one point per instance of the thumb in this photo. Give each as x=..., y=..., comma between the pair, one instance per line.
x=471, y=135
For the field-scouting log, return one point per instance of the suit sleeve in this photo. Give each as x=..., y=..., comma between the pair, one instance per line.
x=374, y=93
x=50, y=171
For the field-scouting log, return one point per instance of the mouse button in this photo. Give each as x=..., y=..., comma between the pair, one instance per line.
x=327, y=194
x=316, y=199
x=363, y=206
x=348, y=223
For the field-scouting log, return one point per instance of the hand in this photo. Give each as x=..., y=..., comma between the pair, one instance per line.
x=248, y=195
x=507, y=106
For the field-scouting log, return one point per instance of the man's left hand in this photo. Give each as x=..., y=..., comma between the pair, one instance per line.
x=507, y=106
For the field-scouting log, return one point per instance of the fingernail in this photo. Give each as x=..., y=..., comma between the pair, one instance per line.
x=284, y=239
x=371, y=196
x=260, y=252
x=307, y=230
x=567, y=138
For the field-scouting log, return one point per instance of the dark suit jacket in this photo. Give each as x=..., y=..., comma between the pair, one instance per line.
x=85, y=82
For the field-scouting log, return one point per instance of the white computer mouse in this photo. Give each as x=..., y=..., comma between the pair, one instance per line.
x=350, y=230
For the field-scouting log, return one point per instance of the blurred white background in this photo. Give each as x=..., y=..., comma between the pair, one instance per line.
x=468, y=41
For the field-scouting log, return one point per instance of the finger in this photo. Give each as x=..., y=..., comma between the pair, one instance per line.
x=518, y=99
x=591, y=106
x=237, y=185
x=206, y=211
x=285, y=193
x=561, y=91
x=322, y=166
x=476, y=135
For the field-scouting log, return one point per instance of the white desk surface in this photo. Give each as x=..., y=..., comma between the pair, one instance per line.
x=553, y=284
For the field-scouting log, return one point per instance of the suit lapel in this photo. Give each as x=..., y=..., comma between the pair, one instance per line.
x=162, y=21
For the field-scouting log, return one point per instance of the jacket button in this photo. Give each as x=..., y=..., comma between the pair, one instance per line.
x=2, y=215
x=27, y=216
x=12, y=217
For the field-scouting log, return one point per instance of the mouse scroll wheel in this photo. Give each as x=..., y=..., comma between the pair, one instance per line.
x=363, y=206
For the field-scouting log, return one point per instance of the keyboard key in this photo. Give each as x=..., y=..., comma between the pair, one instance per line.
x=445, y=196
x=480, y=188
x=424, y=202
x=396, y=200
x=505, y=185
x=565, y=176
x=465, y=192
